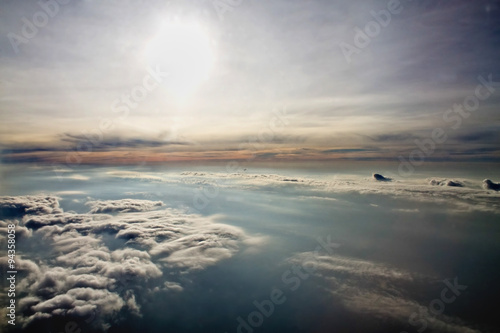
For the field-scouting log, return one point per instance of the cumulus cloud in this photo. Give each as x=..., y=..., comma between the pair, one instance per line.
x=124, y=205
x=20, y=231
x=375, y=289
x=463, y=195
x=380, y=178
x=38, y=221
x=84, y=274
x=445, y=182
x=30, y=204
x=489, y=185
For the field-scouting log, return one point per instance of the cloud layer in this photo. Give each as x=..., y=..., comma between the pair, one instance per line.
x=84, y=274
x=463, y=195
x=377, y=290
x=122, y=206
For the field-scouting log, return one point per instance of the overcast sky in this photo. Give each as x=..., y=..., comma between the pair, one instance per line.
x=292, y=76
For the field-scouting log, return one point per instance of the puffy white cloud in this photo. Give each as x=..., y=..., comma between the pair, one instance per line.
x=124, y=205
x=38, y=221
x=81, y=302
x=30, y=204
x=20, y=231
x=82, y=274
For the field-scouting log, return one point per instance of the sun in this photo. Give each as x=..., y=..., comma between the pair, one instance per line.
x=185, y=51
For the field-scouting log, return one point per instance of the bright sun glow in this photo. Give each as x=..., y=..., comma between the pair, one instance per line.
x=185, y=51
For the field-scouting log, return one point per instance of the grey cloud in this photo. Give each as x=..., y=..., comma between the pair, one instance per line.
x=393, y=137
x=110, y=143
x=173, y=286
x=122, y=206
x=352, y=150
x=16, y=153
x=80, y=302
x=374, y=289
x=445, y=182
x=380, y=178
x=489, y=185
x=17, y=206
x=38, y=221
x=480, y=136
x=20, y=231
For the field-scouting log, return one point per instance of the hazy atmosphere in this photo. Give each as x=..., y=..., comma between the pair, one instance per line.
x=248, y=166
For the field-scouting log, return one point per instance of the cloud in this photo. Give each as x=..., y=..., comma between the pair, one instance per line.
x=392, y=137
x=74, y=177
x=482, y=136
x=445, y=182
x=466, y=198
x=38, y=221
x=123, y=206
x=82, y=273
x=20, y=231
x=68, y=193
x=352, y=150
x=489, y=185
x=143, y=176
x=380, y=178
x=17, y=206
x=110, y=143
x=375, y=289
x=403, y=210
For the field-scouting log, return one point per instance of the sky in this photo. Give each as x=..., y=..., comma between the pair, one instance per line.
x=131, y=82
x=249, y=166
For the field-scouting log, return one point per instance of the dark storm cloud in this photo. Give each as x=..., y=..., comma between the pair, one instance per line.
x=81, y=275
